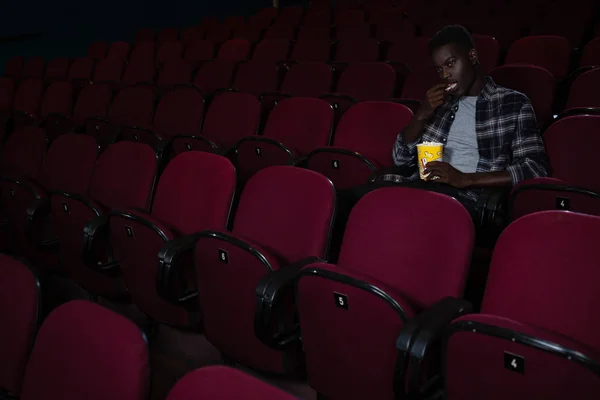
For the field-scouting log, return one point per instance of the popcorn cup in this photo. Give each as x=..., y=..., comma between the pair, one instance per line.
x=427, y=152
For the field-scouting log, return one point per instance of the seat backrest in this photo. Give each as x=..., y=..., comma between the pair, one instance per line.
x=535, y=82
x=179, y=112
x=235, y=50
x=24, y=151
x=143, y=51
x=198, y=51
x=81, y=69
x=109, y=70
x=192, y=34
x=69, y=164
x=97, y=50
x=398, y=225
x=14, y=66
x=19, y=319
x=125, y=175
x=309, y=32
x=311, y=50
x=139, y=70
x=488, y=51
x=219, y=33
x=7, y=92
x=562, y=140
x=301, y=123
x=357, y=50
x=412, y=52
x=174, y=72
x=548, y=262
x=169, y=50
x=584, y=89
x=353, y=32
x=93, y=101
x=57, y=99
x=550, y=52
x=272, y=50
x=29, y=95
x=57, y=68
x=214, y=75
x=368, y=81
x=282, y=196
x=84, y=333
x=119, y=50
x=133, y=106
x=349, y=17
x=33, y=67
x=591, y=54
x=418, y=82
x=224, y=383
x=195, y=192
x=309, y=79
x=256, y=77
x=370, y=128
x=248, y=32
x=231, y=117
x=281, y=32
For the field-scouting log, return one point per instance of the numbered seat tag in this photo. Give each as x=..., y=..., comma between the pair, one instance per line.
x=563, y=203
x=335, y=164
x=223, y=256
x=514, y=362
x=341, y=300
x=258, y=151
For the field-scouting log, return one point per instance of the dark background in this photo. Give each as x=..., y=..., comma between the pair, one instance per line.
x=67, y=27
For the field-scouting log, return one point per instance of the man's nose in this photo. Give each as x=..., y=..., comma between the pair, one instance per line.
x=446, y=74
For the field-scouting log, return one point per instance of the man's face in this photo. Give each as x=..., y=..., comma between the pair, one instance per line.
x=455, y=65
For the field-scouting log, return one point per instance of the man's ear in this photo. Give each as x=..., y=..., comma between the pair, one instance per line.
x=473, y=57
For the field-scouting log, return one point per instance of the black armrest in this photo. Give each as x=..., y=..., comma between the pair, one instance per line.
x=94, y=229
x=422, y=332
x=40, y=209
x=387, y=174
x=268, y=292
x=338, y=96
x=167, y=261
x=281, y=94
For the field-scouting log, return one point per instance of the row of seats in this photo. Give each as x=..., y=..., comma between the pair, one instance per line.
x=399, y=313
x=84, y=351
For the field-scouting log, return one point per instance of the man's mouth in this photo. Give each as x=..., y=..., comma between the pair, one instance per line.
x=452, y=87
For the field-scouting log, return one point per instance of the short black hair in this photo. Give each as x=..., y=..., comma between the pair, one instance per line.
x=456, y=34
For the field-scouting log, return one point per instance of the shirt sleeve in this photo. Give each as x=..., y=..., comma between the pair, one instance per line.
x=529, y=159
x=404, y=154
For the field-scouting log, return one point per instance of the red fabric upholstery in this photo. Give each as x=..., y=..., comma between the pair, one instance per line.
x=27, y=100
x=198, y=51
x=81, y=333
x=57, y=69
x=167, y=35
x=24, y=152
x=412, y=52
x=124, y=177
x=169, y=50
x=93, y=101
x=81, y=70
x=109, y=70
x=367, y=128
x=226, y=131
x=368, y=81
x=583, y=90
x=119, y=50
x=7, y=91
x=285, y=213
x=33, y=67
x=550, y=52
x=97, y=50
x=561, y=140
x=214, y=75
x=58, y=99
x=14, y=66
x=552, y=253
x=174, y=72
x=379, y=293
x=311, y=50
x=195, y=193
x=180, y=112
x=535, y=82
x=591, y=54
x=308, y=79
x=256, y=77
x=287, y=32
x=488, y=51
x=19, y=302
x=272, y=50
x=357, y=50
x=234, y=50
x=224, y=383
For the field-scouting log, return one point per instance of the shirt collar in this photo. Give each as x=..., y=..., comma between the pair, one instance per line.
x=486, y=93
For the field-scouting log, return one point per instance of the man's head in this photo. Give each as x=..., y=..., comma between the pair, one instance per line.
x=455, y=58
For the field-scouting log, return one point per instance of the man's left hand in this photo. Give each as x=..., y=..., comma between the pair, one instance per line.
x=445, y=173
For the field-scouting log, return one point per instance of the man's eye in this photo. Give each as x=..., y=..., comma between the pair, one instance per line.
x=451, y=63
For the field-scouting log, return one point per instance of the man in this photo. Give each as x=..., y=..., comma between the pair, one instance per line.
x=489, y=132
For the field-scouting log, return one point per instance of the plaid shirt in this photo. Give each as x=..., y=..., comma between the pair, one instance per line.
x=507, y=136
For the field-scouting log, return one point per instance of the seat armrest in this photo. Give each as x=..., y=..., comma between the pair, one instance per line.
x=92, y=231
x=168, y=258
x=40, y=209
x=268, y=292
x=421, y=333
x=327, y=96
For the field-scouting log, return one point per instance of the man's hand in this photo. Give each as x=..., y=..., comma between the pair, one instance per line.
x=435, y=97
x=445, y=173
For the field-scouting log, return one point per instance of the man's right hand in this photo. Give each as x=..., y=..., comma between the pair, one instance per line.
x=435, y=97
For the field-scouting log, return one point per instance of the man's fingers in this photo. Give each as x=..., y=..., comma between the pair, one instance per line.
x=439, y=86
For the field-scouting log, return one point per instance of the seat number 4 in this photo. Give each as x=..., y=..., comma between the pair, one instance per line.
x=514, y=362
